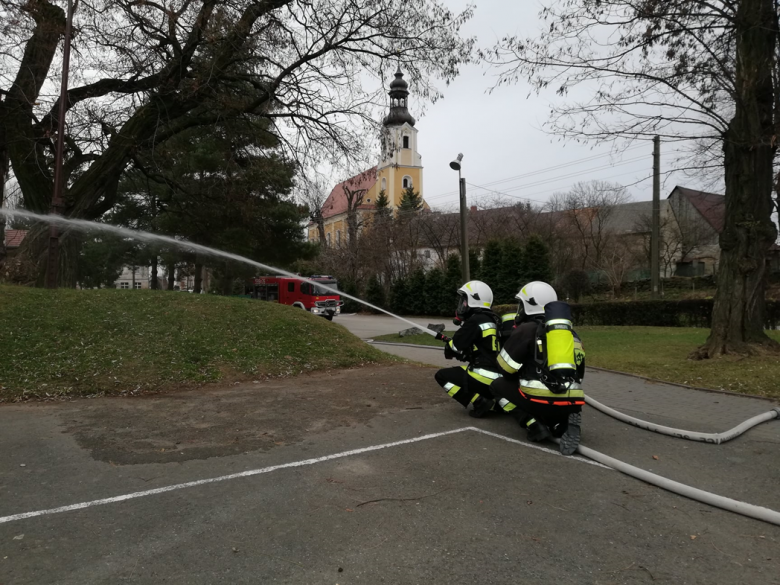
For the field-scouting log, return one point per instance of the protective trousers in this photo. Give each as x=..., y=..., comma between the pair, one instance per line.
x=462, y=386
x=509, y=399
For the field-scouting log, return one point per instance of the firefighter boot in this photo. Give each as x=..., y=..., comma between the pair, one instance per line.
x=571, y=437
x=481, y=406
x=537, y=431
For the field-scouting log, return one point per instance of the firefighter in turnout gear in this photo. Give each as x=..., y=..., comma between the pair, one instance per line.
x=475, y=342
x=543, y=364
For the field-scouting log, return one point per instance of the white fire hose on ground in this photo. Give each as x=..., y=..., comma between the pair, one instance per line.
x=757, y=512
x=750, y=510
x=715, y=438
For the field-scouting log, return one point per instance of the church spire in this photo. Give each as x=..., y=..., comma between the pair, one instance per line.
x=399, y=94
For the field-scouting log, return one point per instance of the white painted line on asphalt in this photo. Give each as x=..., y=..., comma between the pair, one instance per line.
x=537, y=447
x=189, y=484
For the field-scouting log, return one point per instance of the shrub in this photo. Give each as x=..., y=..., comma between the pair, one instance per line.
x=686, y=313
x=576, y=283
x=375, y=292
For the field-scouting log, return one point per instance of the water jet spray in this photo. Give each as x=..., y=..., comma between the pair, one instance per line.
x=85, y=225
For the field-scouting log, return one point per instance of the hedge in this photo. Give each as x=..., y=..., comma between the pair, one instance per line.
x=686, y=313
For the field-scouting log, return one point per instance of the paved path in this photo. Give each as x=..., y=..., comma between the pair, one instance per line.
x=666, y=404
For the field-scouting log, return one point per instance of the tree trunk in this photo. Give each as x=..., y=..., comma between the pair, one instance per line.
x=320, y=228
x=749, y=147
x=198, y=278
x=155, y=284
x=171, y=275
x=3, y=172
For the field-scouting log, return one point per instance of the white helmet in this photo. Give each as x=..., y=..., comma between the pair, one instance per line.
x=476, y=294
x=535, y=295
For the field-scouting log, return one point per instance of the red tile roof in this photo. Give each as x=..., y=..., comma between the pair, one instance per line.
x=336, y=202
x=712, y=207
x=13, y=238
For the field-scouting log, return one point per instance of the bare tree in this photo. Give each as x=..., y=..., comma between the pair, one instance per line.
x=441, y=233
x=588, y=209
x=313, y=195
x=616, y=261
x=702, y=72
x=143, y=72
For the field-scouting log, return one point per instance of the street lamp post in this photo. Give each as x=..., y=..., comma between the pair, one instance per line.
x=53, y=260
x=464, y=236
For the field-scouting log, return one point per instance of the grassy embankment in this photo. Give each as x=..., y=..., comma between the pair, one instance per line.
x=662, y=353
x=70, y=342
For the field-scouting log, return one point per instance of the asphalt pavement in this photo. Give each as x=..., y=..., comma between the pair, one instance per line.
x=406, y=496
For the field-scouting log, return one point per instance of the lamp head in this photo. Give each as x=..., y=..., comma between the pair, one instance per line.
x=455, y=165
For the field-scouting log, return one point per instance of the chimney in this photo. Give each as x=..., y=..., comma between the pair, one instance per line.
x=473, y=209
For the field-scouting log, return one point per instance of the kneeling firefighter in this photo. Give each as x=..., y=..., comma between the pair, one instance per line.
x=475, y=342
x=543, y=365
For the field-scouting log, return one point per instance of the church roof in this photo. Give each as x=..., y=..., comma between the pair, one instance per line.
x=336, y=203
x=398, y=93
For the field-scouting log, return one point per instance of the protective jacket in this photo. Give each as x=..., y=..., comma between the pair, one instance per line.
x=507, y=327
x=476, y=342
x=517, y=361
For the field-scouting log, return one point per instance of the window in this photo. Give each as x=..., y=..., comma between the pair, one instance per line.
x=406, y=142
x=427, y=254
x=384, y=184
x=368, y=200
x=137, y=285
x=338, y=237
x=267, y=292
x=318, y=290
x=291, y=286
x=124, y=285
x=407, y=182
x=327, y=237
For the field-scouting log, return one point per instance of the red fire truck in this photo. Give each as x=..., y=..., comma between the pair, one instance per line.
x=295, y=292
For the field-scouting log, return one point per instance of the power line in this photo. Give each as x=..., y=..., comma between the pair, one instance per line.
x=561, y=166
x=544, y=170
x=547, y=181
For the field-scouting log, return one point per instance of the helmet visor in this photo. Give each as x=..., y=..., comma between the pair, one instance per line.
x=463, y=307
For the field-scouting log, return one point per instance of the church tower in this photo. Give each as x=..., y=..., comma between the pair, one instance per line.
x=400, y=165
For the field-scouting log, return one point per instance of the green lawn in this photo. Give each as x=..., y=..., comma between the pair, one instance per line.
x=662, y=353
x=70, y=342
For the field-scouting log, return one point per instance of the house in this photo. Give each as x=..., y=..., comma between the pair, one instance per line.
x=13, y=239
x=133, y=277
x=700, y=217
x=400, y=167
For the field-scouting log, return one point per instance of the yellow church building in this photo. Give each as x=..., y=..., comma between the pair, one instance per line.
x=400, y=167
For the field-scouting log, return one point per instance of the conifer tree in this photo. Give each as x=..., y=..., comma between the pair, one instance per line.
x=437, y=298
x=513, y=272
x=416, y=293
x=382, y=204
x=399, y=296
x=411, y=202
x=491, y=266
x=537, y=260
x=375, y=292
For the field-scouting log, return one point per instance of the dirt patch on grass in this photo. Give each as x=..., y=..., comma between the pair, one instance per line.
x=219, y=420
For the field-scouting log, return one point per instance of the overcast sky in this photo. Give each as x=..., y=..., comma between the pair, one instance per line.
x=501, y=136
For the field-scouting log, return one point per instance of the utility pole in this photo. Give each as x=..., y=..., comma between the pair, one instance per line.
x=464, y=233
x=464, y=236
x=53, y=262
x=655, y=237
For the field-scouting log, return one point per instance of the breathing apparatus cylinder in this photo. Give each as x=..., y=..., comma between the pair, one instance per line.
x=559, y=337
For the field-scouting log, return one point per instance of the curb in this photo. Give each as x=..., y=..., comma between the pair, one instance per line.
x=645, y=378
